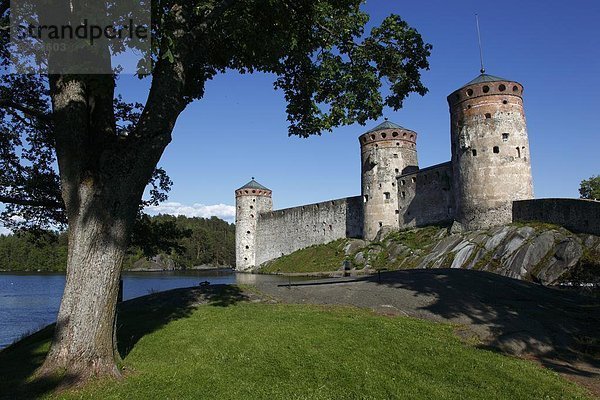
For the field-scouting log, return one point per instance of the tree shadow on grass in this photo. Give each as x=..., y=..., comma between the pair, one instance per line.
x=135, y=319
x=558, y=328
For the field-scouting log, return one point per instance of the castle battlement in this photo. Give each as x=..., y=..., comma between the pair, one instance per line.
x=489, y=170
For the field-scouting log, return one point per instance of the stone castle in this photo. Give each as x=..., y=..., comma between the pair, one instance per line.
x=489, y=170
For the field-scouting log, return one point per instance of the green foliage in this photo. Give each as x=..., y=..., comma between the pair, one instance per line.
x=188, y=241
x=318, y=258
x=232, y=350
x=590, y=188
x=416, y=239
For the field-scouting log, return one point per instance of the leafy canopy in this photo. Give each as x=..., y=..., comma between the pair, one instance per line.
x=590, y=188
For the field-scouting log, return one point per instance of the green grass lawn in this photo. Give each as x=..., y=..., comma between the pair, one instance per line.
x=318, y=258
x=245, y=350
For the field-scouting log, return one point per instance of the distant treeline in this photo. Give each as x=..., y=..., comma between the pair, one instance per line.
x=189, y=242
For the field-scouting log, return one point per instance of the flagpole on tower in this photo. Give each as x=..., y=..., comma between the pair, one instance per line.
x=480, y=46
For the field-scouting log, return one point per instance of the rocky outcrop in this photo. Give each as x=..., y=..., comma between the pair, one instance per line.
x=534, y=252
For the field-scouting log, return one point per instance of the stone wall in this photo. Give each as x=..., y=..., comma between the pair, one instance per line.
x=425, y=197
x=285, y=231
x=574, y=214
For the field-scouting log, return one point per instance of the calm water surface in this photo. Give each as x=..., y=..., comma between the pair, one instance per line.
x=30, y=301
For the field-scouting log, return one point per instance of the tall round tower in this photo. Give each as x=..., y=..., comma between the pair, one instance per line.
x=490, y=151
x=250, y=200
x=387, y=151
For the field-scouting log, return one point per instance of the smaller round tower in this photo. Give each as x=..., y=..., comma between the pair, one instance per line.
x=387, y=151
x=490, y=151
x=250, y=200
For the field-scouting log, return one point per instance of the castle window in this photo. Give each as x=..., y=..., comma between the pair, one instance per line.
x=397, y=143
x=251, y=215
x=248, y=232
x=254, y=191
x=386, y=195
x=486, y=89
x=330, y=227
x=397, y=212
x=470, y=92
x=397, y=170
x=247, y=247
x=254, y=200
x=403, y=182
x=469, y=106
x=414, y=180
x=251, y=207
x=412, y=137
x=488, y=115
x=383, y=135
x=404, y=134
x=366, y=198
x=394, y=134
x=505, y=137
x=474, y=152
x=380, y=224
x=403, y=195
x=393, y=183
x=515, y=88
x=502, y=87
x=504, y=101
x=245, y=258
x=395, y=155
x=373, y=137
x=496, y=149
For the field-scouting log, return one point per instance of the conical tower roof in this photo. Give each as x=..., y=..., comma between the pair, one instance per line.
x=386, y=125
x=254, y=185
x=482, y=78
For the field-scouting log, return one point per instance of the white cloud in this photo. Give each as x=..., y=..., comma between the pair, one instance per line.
x=4, y=231
x=222, y=211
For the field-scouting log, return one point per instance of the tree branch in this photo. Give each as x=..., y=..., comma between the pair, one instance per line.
x=40, y=115
x=32, y=203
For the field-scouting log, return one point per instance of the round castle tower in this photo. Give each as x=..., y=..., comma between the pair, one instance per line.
x=490, y=151
x=387, y=151
x=250, y=200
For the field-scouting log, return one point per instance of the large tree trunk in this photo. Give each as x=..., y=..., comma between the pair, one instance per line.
x=83, y=344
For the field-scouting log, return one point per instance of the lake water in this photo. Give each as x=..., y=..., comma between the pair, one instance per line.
x=30, y=301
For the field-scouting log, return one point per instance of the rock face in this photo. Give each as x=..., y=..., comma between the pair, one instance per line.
x=537, y=252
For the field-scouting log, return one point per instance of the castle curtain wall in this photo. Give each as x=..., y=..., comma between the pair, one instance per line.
x=282, y=232
x=426, y=197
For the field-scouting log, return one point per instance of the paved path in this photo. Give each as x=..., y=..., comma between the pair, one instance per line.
x=559, y=329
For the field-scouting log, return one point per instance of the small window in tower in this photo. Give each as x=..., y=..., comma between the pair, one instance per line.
x=254, y=200
x=245, y=258
x=404, y=134
x=474, y=152
x=470, y=92
x=373, y=137
x=397, y=143
x=486, y=89
x=397, y=170
x=330, y=227
x=251, y=207
x=395, y=155
x=412, y=137
x=393, y=183
x=515, y=88
x=505, y=137
x=502, y=87
x=247, y=247
x=469, y=106
x=403, y=182
x=488, y=115
x=504, y=101
x=251, y=215
x=366, y=198
x=383, y=135
x=248, y=232
x=254, y=191
x=496, y=149
x=380, y=224
x=414, y=180
x=394, y=134
x=380, y=186
x=397, y=212
x=386, y=195
x=518, y=152
x=403, y=195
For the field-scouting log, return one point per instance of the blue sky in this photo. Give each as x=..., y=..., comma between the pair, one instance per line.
x=239, y=130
